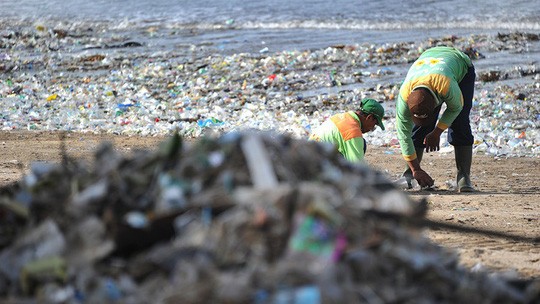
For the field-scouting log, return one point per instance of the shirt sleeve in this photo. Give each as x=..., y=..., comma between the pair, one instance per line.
x=454, y=105
x=404, y=127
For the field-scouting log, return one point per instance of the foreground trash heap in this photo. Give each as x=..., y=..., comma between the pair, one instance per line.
x=243, y=218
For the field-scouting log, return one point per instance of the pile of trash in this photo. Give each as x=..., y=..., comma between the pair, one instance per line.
x=247, y=217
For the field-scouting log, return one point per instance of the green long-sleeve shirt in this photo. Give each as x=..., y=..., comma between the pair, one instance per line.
x=345, y=132
x=439, y=69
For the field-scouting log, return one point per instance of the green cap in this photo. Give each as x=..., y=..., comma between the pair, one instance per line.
x=371, y=106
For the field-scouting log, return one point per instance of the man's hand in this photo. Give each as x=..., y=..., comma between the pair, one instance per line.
x=423, y=179
x=432, y=140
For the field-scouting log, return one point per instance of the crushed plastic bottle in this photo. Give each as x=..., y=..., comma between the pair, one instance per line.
x=210, y=122
x=403, y=183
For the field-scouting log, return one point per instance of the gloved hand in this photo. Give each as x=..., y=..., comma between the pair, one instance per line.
x=423, y=179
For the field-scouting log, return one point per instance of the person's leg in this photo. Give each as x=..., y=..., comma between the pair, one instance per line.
x=463, y=156
x=460, y=134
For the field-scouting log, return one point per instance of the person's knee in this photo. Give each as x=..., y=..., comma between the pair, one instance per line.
x=460, y=136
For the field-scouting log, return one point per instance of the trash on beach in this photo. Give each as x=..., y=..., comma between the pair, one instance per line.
x=491, y=76
x=73, y=78
x=246, y=217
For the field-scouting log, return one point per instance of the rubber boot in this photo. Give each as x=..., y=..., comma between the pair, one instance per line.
x=408, y=172
x=463, y=156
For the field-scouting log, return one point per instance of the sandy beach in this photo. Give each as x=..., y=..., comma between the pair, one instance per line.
x=73, y=86
x=106, y=87
x=75, y=78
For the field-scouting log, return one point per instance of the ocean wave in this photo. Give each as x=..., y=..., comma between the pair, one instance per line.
x=353, y=25
x=324, y=25
x=368, y=25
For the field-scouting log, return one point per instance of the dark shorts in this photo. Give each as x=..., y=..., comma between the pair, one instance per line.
x=459, y=132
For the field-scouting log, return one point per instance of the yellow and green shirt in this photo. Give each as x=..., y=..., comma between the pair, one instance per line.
x=345, y=132
x=439, y=69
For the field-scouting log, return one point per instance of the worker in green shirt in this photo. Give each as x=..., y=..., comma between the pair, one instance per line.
x=441, y=75
x=345, y=130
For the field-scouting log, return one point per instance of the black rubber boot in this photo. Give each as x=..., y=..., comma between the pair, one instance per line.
x=408, y=172
x=463, y=155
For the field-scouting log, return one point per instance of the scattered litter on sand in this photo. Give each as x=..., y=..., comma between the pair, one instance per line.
x=87, y=78
x=245, y=217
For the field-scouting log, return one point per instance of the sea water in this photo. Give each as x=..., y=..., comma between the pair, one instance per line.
x=233, y=26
